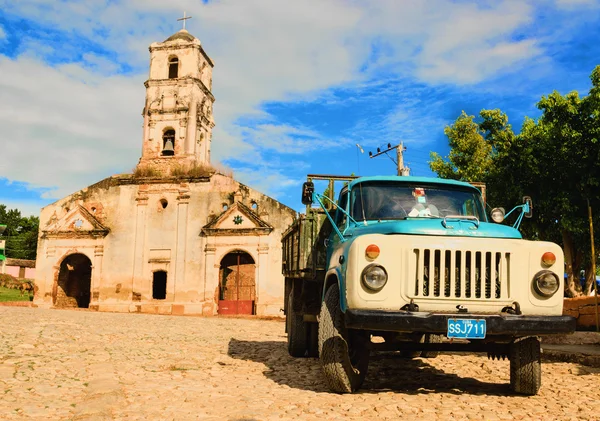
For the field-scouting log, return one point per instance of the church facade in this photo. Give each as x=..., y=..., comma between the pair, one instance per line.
x=176, y=236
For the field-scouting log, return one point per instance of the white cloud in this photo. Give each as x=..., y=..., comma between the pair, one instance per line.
x=65, y=127
x=100, y=64
x=273, y=182
x=27, y=208
x=473, y=43
x=2, y=33
x=472, y=65
x=264, y=50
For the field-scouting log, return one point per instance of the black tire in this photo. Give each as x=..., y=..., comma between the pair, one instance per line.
x=343, y=353
x=313, y=340
x=418, y=338
x=431, y=338
x=525, y=366
x=296, y=330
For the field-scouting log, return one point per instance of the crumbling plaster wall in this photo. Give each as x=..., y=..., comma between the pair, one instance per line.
x=146, y=236
x=193, y=61
x=171, y=106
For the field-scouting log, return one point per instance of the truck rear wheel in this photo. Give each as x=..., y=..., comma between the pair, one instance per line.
x=343, y=353
x=296, y=330
x=525, y=366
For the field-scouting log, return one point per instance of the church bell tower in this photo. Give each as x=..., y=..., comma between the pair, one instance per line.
x=178, y=119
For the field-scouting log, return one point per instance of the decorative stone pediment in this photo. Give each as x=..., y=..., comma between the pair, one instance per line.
x=237, y=220
x=77, y=223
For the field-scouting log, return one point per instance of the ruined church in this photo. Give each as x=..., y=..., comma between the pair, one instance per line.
x=176, y=236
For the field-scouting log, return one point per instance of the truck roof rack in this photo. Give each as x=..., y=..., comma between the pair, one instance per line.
x=331, y=177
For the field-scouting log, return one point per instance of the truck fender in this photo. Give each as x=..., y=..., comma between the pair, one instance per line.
x=333, y=277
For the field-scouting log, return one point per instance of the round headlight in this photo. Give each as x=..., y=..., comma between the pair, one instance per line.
x=374, y=277
x=546, y=283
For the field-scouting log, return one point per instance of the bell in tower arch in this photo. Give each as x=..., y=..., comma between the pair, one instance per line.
x=169, y=143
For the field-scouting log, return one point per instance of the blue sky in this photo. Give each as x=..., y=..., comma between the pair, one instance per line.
x=298, y=84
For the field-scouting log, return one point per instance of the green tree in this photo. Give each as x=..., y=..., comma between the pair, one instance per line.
x=554, y=159
x=568, y=136
x=21, y=233
x=470, y=155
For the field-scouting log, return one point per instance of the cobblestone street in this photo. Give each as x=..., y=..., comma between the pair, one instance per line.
x=81, y=365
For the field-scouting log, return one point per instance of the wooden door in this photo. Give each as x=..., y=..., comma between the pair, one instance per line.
x=237, y=286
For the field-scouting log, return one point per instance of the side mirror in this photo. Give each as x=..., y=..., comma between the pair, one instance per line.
x=497, y=215
x=529, y=207
x=308, y=189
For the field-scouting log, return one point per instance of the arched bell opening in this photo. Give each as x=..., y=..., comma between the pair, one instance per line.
x=168, y=142
x=173, y=67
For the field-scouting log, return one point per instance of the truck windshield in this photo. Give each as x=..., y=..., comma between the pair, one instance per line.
x=383, y=200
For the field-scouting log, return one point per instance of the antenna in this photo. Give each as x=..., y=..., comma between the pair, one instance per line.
x=357, y=157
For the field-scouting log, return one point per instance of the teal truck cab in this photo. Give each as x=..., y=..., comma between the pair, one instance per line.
x=413, y=265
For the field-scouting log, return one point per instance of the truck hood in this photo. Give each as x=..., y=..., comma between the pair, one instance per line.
x=434, y=226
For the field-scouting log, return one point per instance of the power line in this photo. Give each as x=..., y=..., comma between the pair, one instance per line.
x=402, y=170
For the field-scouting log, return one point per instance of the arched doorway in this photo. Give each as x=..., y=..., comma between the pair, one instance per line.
x=74, y=281
x=237, y=286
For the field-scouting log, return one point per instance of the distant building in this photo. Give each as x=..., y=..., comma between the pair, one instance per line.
x=20, y=268
x=175, y=236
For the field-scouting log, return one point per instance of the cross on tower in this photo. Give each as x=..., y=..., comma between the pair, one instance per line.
x=184, y=18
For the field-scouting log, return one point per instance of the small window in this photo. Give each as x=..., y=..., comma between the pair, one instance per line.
x=168, y=143
x=164, y=203
x=254, y=206
x=173, y=68
x=159, y=285
x=225, y=206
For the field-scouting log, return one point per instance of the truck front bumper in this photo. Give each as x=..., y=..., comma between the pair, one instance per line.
x=497, y=324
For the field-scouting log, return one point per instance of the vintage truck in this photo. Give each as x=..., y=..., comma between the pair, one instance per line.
x=412, y=265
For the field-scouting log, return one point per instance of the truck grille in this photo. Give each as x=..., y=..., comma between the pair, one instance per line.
x=462, y=274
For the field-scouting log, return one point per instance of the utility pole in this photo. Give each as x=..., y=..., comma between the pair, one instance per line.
x=402, y=170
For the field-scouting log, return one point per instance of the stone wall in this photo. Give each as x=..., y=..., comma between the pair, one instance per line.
x=583, y=309
x=130, y=228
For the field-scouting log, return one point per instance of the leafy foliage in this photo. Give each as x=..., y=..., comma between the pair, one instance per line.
x=21, y=233
x=554, y=159
x=470, y=155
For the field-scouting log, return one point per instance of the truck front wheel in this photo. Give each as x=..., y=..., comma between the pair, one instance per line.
x=431, y=338
x=525, y=366
x=296, y=330
x=343, y=352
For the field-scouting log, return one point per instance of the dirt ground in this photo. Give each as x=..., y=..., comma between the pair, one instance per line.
x=82, y=365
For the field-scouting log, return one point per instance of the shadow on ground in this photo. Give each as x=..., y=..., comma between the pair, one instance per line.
x=387, y=372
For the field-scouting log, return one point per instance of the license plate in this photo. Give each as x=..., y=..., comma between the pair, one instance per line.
x=466, y=328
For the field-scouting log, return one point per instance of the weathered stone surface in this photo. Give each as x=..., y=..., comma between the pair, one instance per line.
x=95, y=366
x=158, y=240
x=583, y=309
